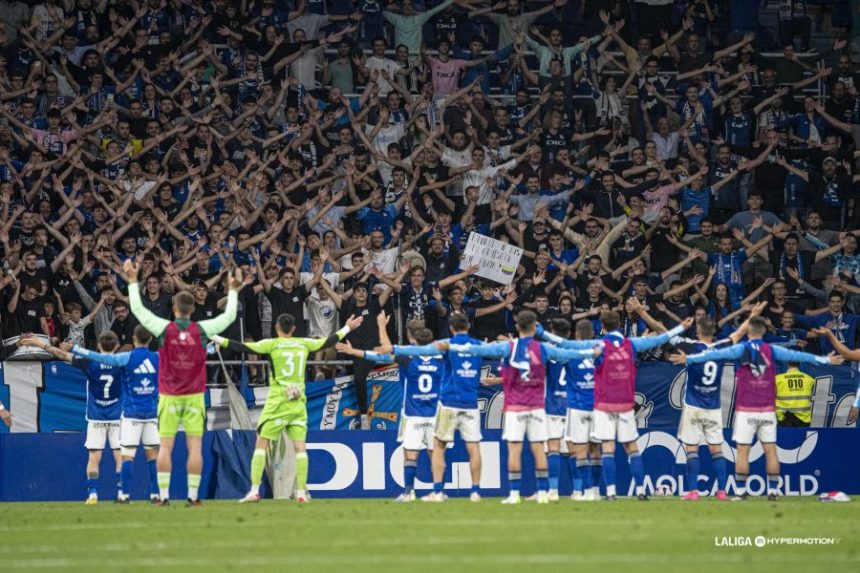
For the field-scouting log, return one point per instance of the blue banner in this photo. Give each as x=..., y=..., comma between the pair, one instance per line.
x=370, y=464
x=51, y=397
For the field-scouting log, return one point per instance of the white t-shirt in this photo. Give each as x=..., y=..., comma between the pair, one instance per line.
x=391, y=133
x=322, y=317
x=385, y=260
x=376, y=63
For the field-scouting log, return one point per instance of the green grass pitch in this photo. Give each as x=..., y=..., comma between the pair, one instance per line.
x=380, y=536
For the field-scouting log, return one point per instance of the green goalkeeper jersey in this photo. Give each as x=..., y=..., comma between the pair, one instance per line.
x=288, y=357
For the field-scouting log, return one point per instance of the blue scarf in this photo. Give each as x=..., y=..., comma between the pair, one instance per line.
x=798, y=265
x=753, y=357
x=520, y=357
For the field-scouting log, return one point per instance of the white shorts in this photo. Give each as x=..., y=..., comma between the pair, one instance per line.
x=555, y=427
x=579, y=426
x=749, y=425
x=100, y=432
x=700, y=426
x=133, y=433
x=614, y=426
x=525, y=423
x=467, y=421
x=416, y=432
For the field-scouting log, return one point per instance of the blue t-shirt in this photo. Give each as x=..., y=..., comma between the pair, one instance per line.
x=729, y=272
x=703, y=381
x=422, y=377
x=462, y=376
x=690, y=199
x=140, y=385
x=580, y=384
x=557, y=379
x=844, y=326
x=104, y=390
x=383, y=220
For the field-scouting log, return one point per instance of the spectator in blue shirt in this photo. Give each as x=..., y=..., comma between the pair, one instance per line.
x=843, y=326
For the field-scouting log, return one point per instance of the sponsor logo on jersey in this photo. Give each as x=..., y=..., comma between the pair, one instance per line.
x=145, y=367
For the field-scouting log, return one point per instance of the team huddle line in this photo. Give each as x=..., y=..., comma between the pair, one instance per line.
x=558, y=386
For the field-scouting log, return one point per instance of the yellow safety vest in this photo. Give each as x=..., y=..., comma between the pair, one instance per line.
x=793, y=394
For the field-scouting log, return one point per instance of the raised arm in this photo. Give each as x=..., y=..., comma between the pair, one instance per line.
x=489, y=350
x=642, y=343
x=840, y=347
x=118, y=359
x=784, y=354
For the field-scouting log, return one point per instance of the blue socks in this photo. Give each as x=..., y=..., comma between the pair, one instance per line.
x=585, y=474
x=515, y=479
x=693, y=471
x=553, y=460
x=719, y=463
x=153, y=477
x=542, y=480
x=126, y=476
x=637, y=468
x=438, y=486
x=410, y=468
x=596, y=471
x=609, y=473
x=92, y=484
x=476, y=488
x=576, y=474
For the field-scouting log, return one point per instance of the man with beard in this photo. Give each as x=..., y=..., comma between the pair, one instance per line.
x=384, y=258
x=593, y=270
x=442, y=259
x=514, y=21
x=629, y=245
x=287, y=298
x=123, y=326
x=664, y=251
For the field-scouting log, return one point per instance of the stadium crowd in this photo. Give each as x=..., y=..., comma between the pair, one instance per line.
x=342, y=152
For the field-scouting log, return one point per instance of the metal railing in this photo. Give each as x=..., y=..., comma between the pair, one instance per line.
x=215, y=378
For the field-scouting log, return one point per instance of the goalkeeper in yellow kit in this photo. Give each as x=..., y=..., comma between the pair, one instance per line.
x=286, y=406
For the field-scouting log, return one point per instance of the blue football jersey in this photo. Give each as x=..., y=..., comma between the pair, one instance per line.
x=104, y=390
x=580, y=384
x=422, y=378
x=703, y=381
x=462, y=376
x=557, y=379
x=140, y=385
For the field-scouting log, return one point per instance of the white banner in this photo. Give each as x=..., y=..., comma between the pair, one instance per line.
x=498, y=261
